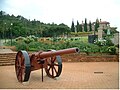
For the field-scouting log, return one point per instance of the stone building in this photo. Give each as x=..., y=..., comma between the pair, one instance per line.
x=103, y=24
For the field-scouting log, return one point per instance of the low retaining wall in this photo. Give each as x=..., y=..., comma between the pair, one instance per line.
x=9, y=58
x=89, y=58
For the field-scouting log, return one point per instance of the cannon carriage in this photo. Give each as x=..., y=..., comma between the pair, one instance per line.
x=50, y=61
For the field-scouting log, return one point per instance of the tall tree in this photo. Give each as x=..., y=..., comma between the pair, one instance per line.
x=77, y=26
x=72, y=27
x=85, y=25
x=80, y=27
x=96, y=24
x=90, y=26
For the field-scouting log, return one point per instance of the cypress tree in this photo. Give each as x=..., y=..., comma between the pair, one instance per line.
x=78, y=27
x=85, y=25
x=96, y=24
x=72, y=27
x=90, y=26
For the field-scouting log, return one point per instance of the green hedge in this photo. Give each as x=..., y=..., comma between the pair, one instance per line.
x=80, y=33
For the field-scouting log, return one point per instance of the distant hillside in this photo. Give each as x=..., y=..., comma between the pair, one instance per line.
x=14, y=26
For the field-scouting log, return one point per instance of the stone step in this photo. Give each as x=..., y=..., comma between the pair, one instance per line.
x=6, y=64
x=7, y=59
x=2, y=61
x=3, y=57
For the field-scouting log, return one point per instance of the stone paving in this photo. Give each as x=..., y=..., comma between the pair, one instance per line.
x=6, y=51
x=75, y=75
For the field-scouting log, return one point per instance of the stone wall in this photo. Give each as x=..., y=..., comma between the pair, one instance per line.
x=9, y=58
x=89, y=58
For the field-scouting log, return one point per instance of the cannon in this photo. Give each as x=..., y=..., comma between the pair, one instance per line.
x=49, y=60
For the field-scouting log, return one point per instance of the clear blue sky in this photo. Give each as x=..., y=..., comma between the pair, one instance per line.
x=64, y=11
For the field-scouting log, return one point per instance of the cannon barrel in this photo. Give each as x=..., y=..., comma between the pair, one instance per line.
x=55, y=53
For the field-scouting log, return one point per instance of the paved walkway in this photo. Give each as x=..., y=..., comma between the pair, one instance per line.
x=77, y=75
x=1, y=42
x=6, y=51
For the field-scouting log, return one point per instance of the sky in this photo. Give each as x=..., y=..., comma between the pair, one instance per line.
x=64, y=11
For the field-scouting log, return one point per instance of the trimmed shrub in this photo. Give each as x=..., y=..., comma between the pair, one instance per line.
x=112, y=50
x=9, y=43
x=20, y=39
x=21, y=46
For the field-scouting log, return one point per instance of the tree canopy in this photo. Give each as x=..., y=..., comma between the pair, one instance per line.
x=20, y=26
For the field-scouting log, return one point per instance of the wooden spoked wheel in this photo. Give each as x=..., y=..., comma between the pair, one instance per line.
x=54, y=66
x=22, y=66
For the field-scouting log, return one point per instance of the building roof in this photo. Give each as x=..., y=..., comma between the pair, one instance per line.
x=104, y=22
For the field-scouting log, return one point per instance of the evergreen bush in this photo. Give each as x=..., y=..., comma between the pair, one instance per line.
x=21, y=46
x=112, y=50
